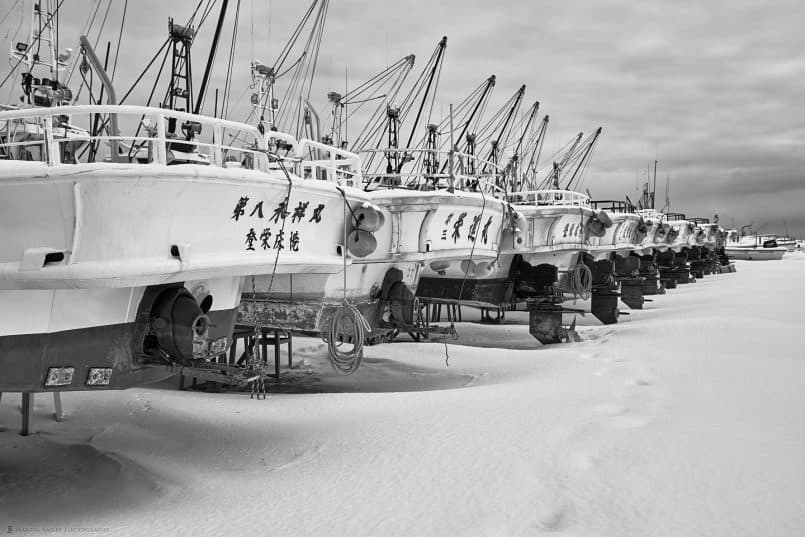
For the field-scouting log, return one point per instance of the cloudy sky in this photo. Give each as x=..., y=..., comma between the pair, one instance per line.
x=713, y=89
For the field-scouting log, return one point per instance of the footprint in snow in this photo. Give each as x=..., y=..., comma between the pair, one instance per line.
x=621, y=417
x=642, y=382
x=558, y=519
x=609, y=410
x=146, y=404
x=583, y=460
x=630, y=421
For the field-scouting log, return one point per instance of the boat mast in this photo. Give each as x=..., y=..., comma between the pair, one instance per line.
x=114, y=132
x=515, y=158
x=436, y=69
x=584, y=160
x=48, y=92
x=431, y=159
x=559, y=166
x=533, y=162
x=483, y=91
x=395, y=114
x=470, y=137
x=213, y=49
x=181, y=82
x=495, y=143
x=381, y=88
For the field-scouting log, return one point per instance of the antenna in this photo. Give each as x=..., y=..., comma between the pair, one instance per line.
x=344, y=141
x=452, y=152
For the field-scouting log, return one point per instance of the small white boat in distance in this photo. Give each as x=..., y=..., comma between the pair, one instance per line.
x=752, y=248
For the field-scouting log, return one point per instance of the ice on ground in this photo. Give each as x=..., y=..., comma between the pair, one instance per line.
x=685, y=419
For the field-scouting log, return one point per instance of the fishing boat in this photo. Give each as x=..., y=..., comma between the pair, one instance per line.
x=556, y=246
x=673, y=261
x=433, y=219
x=128, y=230
x=483, y=279
x=753, y=247
x=784, y=241
x=665, y=249
x=703, y=254
x=607, y=233
x=428, y=231
x=623, y=246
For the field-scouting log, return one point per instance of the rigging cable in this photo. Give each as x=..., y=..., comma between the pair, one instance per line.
x=119, y=38
x=8, y=13
x=103, y=23
x=142, y=74
x=228, y=82
x=84, y=31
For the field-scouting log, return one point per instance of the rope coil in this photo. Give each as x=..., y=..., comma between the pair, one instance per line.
x=347, y=320
x=580, y=281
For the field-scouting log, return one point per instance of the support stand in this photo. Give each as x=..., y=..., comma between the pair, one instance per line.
x=604, y=305
x=632, y=292
x=28, y=422
x=228, y=368
x=545, y=322
x=604, y=297
x=486, y=315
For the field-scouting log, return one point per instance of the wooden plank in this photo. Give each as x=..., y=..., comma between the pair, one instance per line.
x=27, y=414
x=277, y=353
x=57, y=406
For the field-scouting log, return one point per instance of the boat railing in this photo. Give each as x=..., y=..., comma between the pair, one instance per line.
x=329, y=163
x=544, y=198
x=613, y=206
x=314, y=160
x=675, y=217
x=700, y=220
x=153, y=136
x=652, y=214
x=470, y=173
x=149, y=135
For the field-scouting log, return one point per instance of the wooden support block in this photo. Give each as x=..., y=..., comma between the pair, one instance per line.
x=276, y=354
x=27, y=414
x=233, y=352
x=290, y=350
x=263, y=348
x=57, y=406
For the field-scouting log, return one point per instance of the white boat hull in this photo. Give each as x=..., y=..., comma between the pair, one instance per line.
x=105, y=260
x=99, y=327
x=133, y=225
x=538, y=235
x=755, y=254
x=622, y=238
x=423, y=229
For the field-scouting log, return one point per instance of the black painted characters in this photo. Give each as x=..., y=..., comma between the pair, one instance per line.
x=275, y=240
x=472, y=231
x=240, y=208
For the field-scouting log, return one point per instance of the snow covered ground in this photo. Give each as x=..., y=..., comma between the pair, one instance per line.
x=687, y=418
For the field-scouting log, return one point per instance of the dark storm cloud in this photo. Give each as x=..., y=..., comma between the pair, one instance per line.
x=712, y=88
